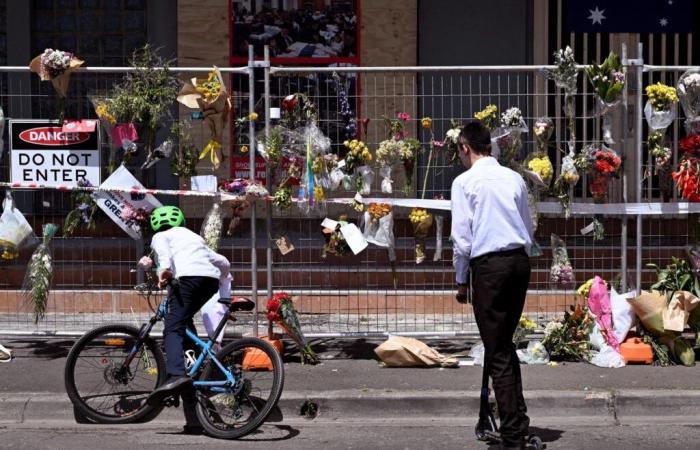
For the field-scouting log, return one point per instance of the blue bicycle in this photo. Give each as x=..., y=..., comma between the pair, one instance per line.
x=111, y=370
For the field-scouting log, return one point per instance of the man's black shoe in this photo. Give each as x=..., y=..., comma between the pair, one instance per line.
x=173, y=386
x=194, y=430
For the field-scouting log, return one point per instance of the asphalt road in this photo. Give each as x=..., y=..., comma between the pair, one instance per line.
x=331, y=436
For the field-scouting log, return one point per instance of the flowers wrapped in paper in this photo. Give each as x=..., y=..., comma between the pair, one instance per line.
x=56, y=66
x=608, y=81
x=689, y=94
x=15, y=231
x=281, y=311
x=37, y=280
x=421, y=221
x=561, y=272
x=211, y=98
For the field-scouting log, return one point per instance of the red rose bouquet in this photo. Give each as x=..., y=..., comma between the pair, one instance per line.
x=603, y=164
x=687, y=177
x=280, y=310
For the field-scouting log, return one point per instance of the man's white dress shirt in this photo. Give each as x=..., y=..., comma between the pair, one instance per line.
x=186, y=255
x=489, y=213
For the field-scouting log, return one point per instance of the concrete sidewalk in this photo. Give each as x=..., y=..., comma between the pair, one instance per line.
x=349, y=386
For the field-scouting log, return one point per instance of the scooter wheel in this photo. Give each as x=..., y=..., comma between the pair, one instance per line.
x=482, y=429
x=535, y=443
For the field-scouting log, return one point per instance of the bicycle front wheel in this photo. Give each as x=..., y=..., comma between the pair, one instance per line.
x=234, y=411
x=104, y=389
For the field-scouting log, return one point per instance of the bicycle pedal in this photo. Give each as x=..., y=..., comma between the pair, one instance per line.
x=172, y=402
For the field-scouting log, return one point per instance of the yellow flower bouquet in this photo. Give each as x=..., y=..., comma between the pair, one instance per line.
x=421, y=220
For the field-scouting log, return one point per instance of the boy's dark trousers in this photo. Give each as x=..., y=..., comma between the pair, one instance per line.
x=186, y=299
x=500, y=282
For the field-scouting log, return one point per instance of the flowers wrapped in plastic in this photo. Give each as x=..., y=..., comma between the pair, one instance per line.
x=660, y=110
x=335, y=241
x=355, y=167
x=488, y=117
x=689, y=94
x=390, y=151
x=565, y=76
x=281, y=311
x=608, y=81
x=211, y=98
x=212, y=227
x=506, y=140
x=15, y=231
x=56, y=66
x=561, y=272
x=37, y=280
x=379, y=226
x=603, y=164
x=421, y=221
x=568, y=177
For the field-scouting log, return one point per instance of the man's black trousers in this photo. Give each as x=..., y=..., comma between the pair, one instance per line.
x=499, y=282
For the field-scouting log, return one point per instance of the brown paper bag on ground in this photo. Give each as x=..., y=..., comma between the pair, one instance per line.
x=675, y=315
x=399, y=351
x=649, y=307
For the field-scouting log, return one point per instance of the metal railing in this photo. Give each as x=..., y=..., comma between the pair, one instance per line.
x=364, y=294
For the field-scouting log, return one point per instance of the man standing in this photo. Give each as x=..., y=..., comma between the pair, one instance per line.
x=491, y=231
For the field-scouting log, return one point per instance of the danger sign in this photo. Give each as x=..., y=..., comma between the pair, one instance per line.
x=42, y=152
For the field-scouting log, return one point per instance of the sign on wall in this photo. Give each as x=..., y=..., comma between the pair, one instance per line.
x=41, y=152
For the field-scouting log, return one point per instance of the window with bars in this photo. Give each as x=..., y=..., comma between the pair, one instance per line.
x=101, y=32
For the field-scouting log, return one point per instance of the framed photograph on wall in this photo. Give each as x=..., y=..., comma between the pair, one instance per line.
x=296, y=31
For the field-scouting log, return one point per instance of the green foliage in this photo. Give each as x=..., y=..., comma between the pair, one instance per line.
x=184, y=160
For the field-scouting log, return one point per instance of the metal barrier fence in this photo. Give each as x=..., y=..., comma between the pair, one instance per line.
x=363, y=294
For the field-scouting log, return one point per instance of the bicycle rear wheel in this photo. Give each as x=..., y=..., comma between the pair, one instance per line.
x=242, y=408
x=101, y=388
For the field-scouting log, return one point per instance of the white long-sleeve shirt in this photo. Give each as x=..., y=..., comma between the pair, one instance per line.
x=489, y=213
x=186, y=255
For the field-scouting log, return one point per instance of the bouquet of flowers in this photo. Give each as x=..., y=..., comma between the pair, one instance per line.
x=184, y=160
x=488, y=116
x=451, y=140
x=687, y=176
x=525, y=327
x=539, y=162
x=138, y=217
x=568, y=339
x=379, y=225
x=565, y=76
x=270, y=147
x=335, y=241
x=211, y=98
x=506, y=140
x=568, y=177
x=660, y=109
x=298, y=110
x=56, y=66
x=212, y=227
x=355, y=167
x=403, y=148
x=608, y=80
x=421, y=221
x=603, y=164
x=689, y=94
x=389, y=152
x=561, y=272
x=37, y=281
x=84, y=212
x=662, y=161
x=281, y=311
x=15, y=231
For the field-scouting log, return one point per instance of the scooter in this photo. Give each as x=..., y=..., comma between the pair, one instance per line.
x=486, y=429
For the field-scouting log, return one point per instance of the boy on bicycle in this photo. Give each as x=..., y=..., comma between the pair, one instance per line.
x=182, y=255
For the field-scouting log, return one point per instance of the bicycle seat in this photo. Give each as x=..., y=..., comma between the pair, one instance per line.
x=238, y=303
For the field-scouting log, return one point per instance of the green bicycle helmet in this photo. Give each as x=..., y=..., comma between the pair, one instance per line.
x=171, y=216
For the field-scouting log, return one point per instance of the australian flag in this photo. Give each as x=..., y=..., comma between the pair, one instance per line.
x=629, y=16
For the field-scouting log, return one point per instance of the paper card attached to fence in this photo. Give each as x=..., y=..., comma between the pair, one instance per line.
x=113, y=203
